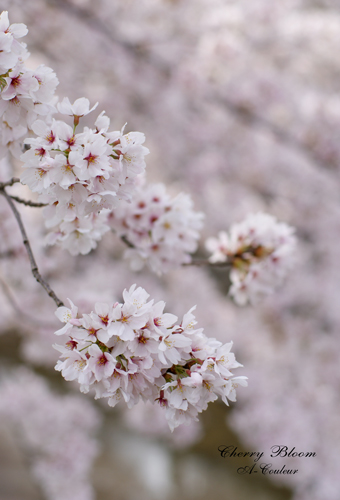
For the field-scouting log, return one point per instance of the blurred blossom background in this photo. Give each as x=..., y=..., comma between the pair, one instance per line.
x=240, y=105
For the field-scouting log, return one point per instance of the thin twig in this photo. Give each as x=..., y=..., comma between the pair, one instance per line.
x=205, y=262
x=9, y=183
x=28, y=203
x=34, y=267
x=127, y=242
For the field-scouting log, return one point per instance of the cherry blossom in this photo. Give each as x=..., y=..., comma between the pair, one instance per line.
x=80, y=175
x=162, y=230
x=25, y=95
x=259, y=250
x=145, y=355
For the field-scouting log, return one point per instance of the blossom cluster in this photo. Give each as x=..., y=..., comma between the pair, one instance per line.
x=81, y=175
x=25, y=95
x=78, y=175
x=259, y=250
x=56, y=431
x=134, y=351
x=162, y=230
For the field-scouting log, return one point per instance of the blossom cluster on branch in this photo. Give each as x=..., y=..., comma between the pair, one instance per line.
x=81, y=174
x=260, y=251
x=134, y=351
x=163, y=231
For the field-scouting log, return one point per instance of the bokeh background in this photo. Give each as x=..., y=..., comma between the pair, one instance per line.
x=239, y=102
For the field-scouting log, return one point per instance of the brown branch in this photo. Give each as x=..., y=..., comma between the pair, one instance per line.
x=28, y=203
x=127, y=242
x=206, y=262
x=9, y=183
x=34, y=267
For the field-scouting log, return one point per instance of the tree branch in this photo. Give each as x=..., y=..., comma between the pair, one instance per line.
x=34, y=267
x=28, y=203
x=127, y=242
x=9, y=183
x=206, y=262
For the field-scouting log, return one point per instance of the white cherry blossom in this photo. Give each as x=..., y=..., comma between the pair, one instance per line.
x=133, y=351
x=260, y=252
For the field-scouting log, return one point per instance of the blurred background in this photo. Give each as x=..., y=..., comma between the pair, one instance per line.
x=239, y=102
